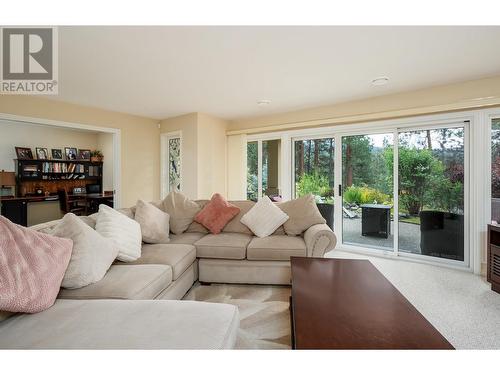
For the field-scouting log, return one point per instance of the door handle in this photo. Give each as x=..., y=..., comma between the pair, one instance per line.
x=340, y=190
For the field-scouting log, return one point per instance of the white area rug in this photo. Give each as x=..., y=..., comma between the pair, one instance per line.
x=264, y=312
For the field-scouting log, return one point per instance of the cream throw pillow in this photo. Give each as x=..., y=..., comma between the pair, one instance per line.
x=153, y=221
x=123, y=231
x=182, y=211
x=264, y=217
x=92, y=254
x=303, y=214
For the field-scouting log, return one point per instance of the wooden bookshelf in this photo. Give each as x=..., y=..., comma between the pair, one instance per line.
x=51, y=175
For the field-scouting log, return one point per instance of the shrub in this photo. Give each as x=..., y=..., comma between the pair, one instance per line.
x=364, y=195
x=315, y=184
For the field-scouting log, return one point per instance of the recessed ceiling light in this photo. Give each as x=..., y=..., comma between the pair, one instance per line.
x=380, y=81
x=263, y=102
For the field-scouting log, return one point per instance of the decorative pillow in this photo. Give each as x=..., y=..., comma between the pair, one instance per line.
x=182, y=211
x=195, y=227
x=153, y=221
x=303, y=214
x=92, y=253
x=32, y=266
x=235, y=225
x=216, y=214
x=264, y=217
x=125, y=232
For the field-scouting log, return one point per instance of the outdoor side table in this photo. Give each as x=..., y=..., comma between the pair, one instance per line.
x=376, y=220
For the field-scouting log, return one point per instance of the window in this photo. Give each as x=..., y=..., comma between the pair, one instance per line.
x=314, y=168
x=495, y=170
x=171, y=162
x=264, y=169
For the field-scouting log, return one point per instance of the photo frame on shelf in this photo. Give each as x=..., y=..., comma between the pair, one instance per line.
x=57, y=153
x=83, y=154
x=70, y=153
x=24, y=153
x=42, y=153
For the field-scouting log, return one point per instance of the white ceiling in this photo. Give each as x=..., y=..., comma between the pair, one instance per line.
x=160, y=72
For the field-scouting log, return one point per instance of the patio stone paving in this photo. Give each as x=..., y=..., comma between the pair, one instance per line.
x=409, y=236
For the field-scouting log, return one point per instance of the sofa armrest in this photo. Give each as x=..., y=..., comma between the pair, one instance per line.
x=319, y=239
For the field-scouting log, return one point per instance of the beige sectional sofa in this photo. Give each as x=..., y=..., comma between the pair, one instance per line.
x=91, y=317
x=167, y=271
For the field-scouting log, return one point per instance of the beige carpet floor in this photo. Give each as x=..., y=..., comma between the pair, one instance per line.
x=264, y=312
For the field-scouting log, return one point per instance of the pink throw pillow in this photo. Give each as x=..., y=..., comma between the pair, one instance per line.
x=32, y=266
x=216, y=214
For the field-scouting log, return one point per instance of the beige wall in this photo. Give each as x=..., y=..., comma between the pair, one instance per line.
x=211, y=156
x=203, y=153
x=140, y=141
x=465, y=95
x=237, y=166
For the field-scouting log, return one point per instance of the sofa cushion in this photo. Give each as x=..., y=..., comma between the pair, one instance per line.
x=32, y=266
x=153, y=221
x=223, y=246
x=303, y=214
x=125, y=282
x=111, y=324
x=178, y=257
x=182, y=211
x=186, y=238
x=92, y=253
x=123, y=231
x=235, y=225
x=264, y=218
x=216, y=214
x=276, y=247
x=4, y=315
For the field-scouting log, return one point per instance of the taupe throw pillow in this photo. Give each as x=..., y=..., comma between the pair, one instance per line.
x=153, y=221
x=303, y=214
x=182, y=211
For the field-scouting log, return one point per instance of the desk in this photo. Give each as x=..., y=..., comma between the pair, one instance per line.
x=94, y=200
x=29, y=211
x=34, y=210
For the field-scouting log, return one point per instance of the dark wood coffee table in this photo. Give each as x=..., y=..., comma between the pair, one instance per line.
x=349, y=304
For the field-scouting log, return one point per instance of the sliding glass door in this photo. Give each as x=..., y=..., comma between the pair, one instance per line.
x=431, y=192
x=404, y=191
x=367, y=190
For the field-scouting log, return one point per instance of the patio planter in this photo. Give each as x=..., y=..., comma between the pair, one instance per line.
x=442, y=234
x=326, y=210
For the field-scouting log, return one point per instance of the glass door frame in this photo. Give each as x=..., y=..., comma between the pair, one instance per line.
x=259, y=139
x=338, y=221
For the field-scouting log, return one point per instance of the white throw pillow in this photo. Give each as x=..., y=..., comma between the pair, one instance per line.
x=264, y=218
x=92, y=254
x=153, y=221
x=125, y=232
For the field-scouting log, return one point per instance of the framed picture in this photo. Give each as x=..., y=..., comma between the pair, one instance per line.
x=83, y=154
x=24, y=153
x=57, y=153
x=42, y=153
x=70, y=153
